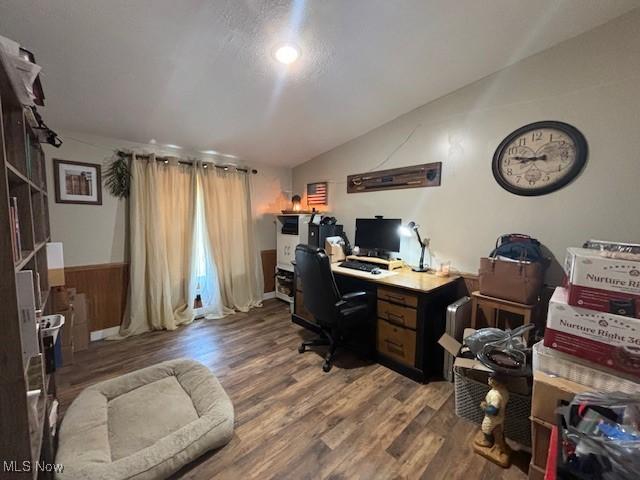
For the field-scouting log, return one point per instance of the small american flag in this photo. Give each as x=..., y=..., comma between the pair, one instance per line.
x=317, y=193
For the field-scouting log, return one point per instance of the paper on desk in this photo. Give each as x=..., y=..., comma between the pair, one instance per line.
x=334, y=240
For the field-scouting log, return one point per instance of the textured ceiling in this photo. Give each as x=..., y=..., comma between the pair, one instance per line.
x=200, y=74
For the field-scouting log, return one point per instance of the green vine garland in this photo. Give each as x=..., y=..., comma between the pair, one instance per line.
x=117, y=177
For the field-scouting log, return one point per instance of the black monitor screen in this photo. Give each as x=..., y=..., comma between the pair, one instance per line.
x=378, y=233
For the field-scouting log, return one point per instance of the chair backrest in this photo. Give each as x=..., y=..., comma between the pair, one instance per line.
x=320, y=291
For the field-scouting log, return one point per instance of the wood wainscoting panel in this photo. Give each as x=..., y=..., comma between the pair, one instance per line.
x=269, y=270
x=106, y=287
x=470, y=283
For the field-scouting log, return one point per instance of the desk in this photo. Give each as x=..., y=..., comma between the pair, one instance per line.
x=408, y=319
x=403, y=278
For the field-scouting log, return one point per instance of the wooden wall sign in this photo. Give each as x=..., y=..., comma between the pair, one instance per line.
x=416, y=176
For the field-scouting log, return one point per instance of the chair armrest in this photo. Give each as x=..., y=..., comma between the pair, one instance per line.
x=354, y=295
x=348, y=297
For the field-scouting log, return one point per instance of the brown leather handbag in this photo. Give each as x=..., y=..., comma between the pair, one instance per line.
x=516, y=280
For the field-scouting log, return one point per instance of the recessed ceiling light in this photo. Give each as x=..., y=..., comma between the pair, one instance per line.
x=152, y=141
x=170, y=145
x=287, y=53
x=209, y=152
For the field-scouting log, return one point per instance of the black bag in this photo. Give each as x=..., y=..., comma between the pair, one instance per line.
x=517, y=246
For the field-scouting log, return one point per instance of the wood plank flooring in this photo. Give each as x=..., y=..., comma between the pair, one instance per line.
x=361, y=420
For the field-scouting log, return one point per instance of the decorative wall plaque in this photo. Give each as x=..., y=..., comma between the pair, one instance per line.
x=416, y=176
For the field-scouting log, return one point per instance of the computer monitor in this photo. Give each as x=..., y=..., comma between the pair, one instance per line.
x=380, y=234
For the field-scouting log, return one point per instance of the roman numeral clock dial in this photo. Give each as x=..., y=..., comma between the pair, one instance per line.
x=539, y=158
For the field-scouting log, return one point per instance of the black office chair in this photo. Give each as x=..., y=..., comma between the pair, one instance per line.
x=334, y=313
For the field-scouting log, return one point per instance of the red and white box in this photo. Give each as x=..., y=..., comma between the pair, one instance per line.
x=600, y=337
x=604, y=284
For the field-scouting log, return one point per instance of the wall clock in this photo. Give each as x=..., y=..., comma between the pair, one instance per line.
x=539, y=158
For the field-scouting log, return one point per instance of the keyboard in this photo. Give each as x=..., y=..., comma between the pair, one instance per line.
x=356, y=265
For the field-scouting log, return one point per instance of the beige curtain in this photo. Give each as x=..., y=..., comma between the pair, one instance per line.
x=226, y=198
x=162, y=209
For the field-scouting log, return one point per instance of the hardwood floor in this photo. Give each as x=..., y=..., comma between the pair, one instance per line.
x=361, y=420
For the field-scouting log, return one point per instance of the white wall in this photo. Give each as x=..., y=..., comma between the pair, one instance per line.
x=97, y=234
x=591, y=81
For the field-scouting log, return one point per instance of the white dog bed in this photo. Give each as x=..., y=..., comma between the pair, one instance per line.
x=144, y=425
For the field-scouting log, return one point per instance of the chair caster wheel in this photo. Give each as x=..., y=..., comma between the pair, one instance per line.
x=326, y=366
x=301, y=349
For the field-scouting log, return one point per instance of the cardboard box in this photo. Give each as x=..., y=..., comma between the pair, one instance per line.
x=540, y=436
x=603, y=338
x=71, y=295
x=59, y=299
x=335, y=252
x=603, y=284
x=81, y=307
x=80, y=328
x=80, y=336
x=67, y=355
x=475, y=370
x=66, y=332
x=547, y=392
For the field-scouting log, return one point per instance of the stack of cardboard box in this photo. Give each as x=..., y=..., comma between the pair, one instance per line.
x=596, y=316
x=592, y=334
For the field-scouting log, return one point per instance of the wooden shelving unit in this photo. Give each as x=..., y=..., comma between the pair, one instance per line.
x=23, y=421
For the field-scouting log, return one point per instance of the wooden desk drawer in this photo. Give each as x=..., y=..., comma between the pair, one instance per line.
x=397, y=342
x=397, y=296
x=397, y=314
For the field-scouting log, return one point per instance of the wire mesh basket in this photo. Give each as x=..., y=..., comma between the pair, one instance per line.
x=468, y=395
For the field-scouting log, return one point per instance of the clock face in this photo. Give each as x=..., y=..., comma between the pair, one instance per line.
x=539, y=158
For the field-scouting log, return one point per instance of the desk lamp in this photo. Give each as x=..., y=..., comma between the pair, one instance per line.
x=406, y=231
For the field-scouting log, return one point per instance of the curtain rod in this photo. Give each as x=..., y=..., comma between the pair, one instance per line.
x=187, y=162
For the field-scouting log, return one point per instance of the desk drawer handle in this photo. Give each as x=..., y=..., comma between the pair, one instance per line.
x=392, y=346
x=397, y=318
x=396, y=298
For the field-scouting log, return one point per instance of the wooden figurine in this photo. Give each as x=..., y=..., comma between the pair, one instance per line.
x=489, y=441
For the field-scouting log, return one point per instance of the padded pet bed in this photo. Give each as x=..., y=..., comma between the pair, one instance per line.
x=144, y=425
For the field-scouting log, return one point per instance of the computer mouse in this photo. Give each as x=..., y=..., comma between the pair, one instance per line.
x=376, y=271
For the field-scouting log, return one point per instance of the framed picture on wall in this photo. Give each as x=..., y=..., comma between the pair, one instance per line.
x=77, y=182
x=317, y=193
